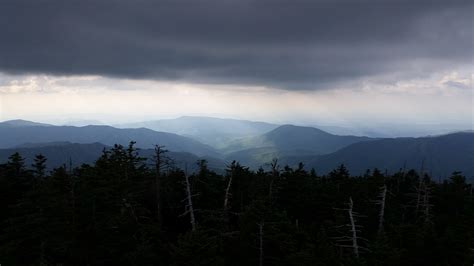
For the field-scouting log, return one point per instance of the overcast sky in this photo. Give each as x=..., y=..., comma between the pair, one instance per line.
x=310, y=61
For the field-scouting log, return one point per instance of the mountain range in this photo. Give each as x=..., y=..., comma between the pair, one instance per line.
x=291, y=139
x=438, y=156
x=75, y=154
x=14, y=133
x=253, y=144
x=216, y=132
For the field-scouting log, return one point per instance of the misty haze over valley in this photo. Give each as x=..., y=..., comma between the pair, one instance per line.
x=236, y=132
x=254, y=144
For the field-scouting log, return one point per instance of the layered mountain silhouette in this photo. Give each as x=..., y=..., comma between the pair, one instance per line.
x=12, y=136
x=253, y=144
x=287, y=140
x=75, y=154
x=209, y=130
x=21, y=123
x=438, y=156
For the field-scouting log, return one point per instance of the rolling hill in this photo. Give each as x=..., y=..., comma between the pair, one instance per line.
x=12, y=136
x=288, y=140
x=63, y=153
x=440, y=155
x=216, y=132
x=22, y=123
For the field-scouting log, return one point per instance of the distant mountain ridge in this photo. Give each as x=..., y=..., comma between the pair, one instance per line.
x=12, y=136
x=64, y=153
x=288, y=140
x=22, y=123
x=437, y=155
x=209, y=130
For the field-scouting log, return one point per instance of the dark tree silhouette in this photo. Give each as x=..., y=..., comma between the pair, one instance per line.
x=118, y=211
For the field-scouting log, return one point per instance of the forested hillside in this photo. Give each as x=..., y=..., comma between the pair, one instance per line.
x=118, y=211
x=12, y=136
x=292, y=140
x=75, y=154
x=439, y=156
x=216, y=132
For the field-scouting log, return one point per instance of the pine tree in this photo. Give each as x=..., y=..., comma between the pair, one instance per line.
x=39, y=166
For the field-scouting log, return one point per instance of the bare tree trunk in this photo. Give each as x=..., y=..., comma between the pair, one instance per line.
x=355, y=246
x=189, y=206
x=160, y=159
x=353, y=229
x=227, y=190
x=382, y=196
x=426, y=205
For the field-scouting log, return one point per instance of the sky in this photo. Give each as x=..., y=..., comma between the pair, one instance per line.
x=327, y=62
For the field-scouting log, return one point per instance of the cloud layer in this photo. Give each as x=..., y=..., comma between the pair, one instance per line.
x=441, y=99
x=291, y=45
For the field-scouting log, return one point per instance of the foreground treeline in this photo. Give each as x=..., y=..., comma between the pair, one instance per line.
x=123, y=211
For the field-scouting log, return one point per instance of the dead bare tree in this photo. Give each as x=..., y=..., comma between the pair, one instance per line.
x=381, y=202
x=350, y=211
x=419, y=196
x=423, y=205
x=352, y=240
x=229, y=184
x=161, y=160
x=426, y=205
x=189, y=209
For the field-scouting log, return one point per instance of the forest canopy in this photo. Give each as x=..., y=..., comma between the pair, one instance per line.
x=122, y=211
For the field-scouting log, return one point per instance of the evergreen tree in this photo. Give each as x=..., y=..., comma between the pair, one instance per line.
x=105, y=213
x=39, y=166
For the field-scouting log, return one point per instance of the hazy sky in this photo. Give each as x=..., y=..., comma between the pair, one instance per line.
x=320, y=61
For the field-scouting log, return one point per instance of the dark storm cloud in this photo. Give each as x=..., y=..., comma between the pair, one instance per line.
x=288, y=44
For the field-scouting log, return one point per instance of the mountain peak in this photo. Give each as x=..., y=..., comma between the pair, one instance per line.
x=21, y=123
x=296, y=129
